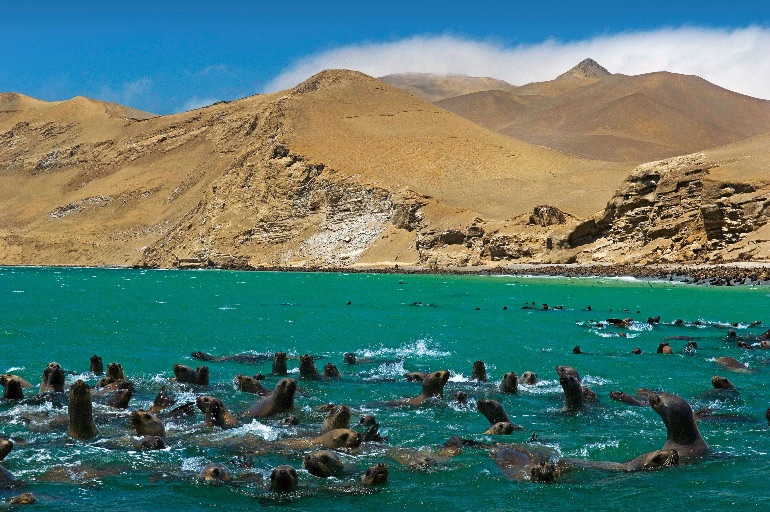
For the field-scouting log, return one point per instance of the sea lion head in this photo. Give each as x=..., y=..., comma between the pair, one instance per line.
x=338, y=417
x=215, y=473
x=323, y=463
x=283, y=479
x=721, y=383
x=659, y=459
x=283, y=393
x=510, y=383
x=331, y=371
x=433, y=383
x=151, y=443
x=375, y=475
x=501, y=428
x=115, y=370
x=279, y=363
x=479, y=371
x=147, y=424
x=349, y=358
x=307, y=368
x=96, y=365
x=528, y=378
x=492, y=410
x=53, y=378
x=344, y=438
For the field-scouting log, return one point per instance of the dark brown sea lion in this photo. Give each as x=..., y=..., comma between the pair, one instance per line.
x=280, y=400
x=7, y=480
x=279, y=364
x=250, y=385
x=653, y=460
x=510, y=383
x=96, y=366
x=237, y=358
x=216, y=413
x=120, y=398
x=186, y=374
x=461, y=398
x=81, y=413
x=323, y=463
x=162, y=401
x=283, y=479
x=627, y=399
x=307, y=368
x=516, y=461
x=6, y=446
x=375, y=475
x=528, y=378
x=479, y=371
x=575, y=394
x=682, y=432
x=338, y=417
x=331, y=371
x=372, y=433
x=718, y=382
x=493, y=411
x=149, y=443
x=333, y=439
x=13, y=390
x=215, y=473
x=114, y=375
x=147, y=424
x=415, y=376
x=623, y=323
x=432, y=386
x=53, y=379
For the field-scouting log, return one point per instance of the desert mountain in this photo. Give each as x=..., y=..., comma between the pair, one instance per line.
x=342, y=168
x=433, y=87
x=594, y=114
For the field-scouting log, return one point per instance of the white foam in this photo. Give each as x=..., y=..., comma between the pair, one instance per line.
x=420, y=348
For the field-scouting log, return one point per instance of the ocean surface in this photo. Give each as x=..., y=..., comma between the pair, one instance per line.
x=148, y=320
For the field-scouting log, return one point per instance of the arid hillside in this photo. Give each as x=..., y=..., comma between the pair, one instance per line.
x=590, y=112
x=432, y=87
x=341, y=169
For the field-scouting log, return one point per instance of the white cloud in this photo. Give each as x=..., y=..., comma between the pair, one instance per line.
x=128, y=93
x=732, y=58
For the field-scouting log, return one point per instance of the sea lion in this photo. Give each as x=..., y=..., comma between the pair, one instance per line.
x=4, y=378
x=279, y=364
x=375, y=475
x=372, y=433
x=331, y=371
x=96, y=366
x=13, y=390
x=623, y=323
x=216, y=413
x=53, y=379
x=162, y=401
x=120, y=398
x=7, y=480
x=649, y=461
x=575, y=394
x=338, y=417
x=283, y=479
x=502, y=428
x=664, y=348
x=307, y=368
x=333, y=439
x=215, y=473
x=415, y=376
x=250, y=385
x=493, y=411
x=479, y=371
x=323, y=463
x=80, y=411
x=6, y=446
x=199, y=376
x=280, y=400
x=516, y=461
x=114, y=374
x=349, y=358
x=718, y=382
x=149, y=443
x=528, y=378
x=25, y=498
x=682, y=432
x=627, y=399
x=510, y=383
x=147, y=424
x=732, y=364
x=432, y=386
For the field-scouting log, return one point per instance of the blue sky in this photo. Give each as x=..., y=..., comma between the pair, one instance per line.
x=166, y=57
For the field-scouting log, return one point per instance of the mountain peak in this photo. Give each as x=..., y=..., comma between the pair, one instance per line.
x=588, y=68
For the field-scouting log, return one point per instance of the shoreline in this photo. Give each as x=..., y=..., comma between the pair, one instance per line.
x=723, y=274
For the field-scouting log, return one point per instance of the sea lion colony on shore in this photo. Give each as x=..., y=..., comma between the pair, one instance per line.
x=320, y=452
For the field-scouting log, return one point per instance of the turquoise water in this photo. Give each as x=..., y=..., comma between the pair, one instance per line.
x=150, y=320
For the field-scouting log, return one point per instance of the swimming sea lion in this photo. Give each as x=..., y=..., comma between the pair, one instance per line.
x=81, y=413
x=432, y=386
x=502, y=428
x=323, y=463
x=149, y=443
x=216, y=413
x=664, y=348
x=120, y=398
x=510, y=383
x=6, y=446
x=575, y=394
x=338, y=417
x=53, y=379
x=461, y=398
x=114, y=375
x=528, y=378
x=682, y=433
x=649, y=461
x=331, y=371
x=96, y=366
x=4, y=378
x=479, y=371
x=7, y=480
x=732, y=364
x=147, y=424
x=307, y=368
x=721, y=383
x=279, y=363
x=280, y=400
x=13, y=390
x=25, y=498
x=627, y=399
x=250, y=385
x=415, y=376
x=215, y=473
x=375, y=475
x=372, y=433
x=493, y=411
x=237, y=358
x=283, y=479
x=333, y=439
x=199, y=376
x=162, y=401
